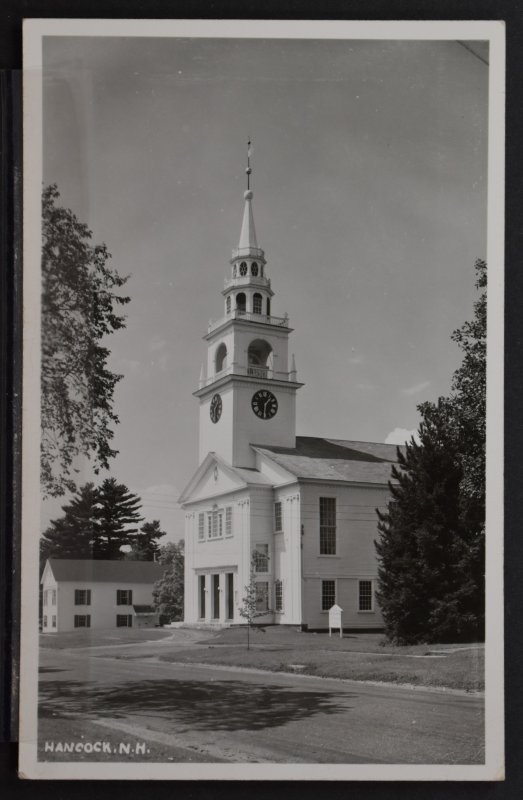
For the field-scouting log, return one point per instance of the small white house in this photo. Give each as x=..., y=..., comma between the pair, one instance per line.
x=82, y=593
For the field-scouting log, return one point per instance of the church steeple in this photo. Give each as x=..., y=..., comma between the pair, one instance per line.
x=248, y=241
x=248, y=391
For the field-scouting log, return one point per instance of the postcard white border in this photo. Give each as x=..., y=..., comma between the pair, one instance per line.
x=34, y=30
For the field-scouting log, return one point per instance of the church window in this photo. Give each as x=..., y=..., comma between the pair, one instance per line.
x=262, y=596
x=53, y=597
x=215, y=523
x=328, y=594
x=243, y=268
x=45, y=598
x=221, y=358
x=53, y=621
x=365, y=596
x=228, y=304
x=241, y=301
x=327, y=526
x=257, y=303
x=228, y=521
x=261, y=557
x=268, y=306
x=254, y=269
x=201, y=527
x=277, y=517
x=278, y=595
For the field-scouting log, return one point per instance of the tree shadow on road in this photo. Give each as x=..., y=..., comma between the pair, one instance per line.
x=197, y=705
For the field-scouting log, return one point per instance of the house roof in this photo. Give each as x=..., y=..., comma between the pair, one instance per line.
x=335, y=459
x=75, y=569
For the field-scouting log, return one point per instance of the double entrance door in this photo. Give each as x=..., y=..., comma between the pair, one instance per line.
x=216, y=596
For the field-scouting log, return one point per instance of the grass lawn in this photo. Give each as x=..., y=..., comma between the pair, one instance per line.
x=360, y=656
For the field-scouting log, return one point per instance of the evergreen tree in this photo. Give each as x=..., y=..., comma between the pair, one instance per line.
x=431, y=548
x=168, y=590
x=144, y=546
x=118, y=516
x=78, y=311
x=72, y=536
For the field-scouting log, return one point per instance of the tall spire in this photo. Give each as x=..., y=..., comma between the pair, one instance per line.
x=248, y=232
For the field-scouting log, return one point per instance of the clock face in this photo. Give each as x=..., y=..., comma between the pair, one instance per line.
x=264, y=404
x=216, y=408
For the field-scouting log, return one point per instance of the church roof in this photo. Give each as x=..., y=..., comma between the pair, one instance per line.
x=100, y=571
x=335, y=459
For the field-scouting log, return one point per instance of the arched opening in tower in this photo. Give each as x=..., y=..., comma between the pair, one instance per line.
x=257, y=303
x=259, y=358
x=220, y=360
x=241, y=302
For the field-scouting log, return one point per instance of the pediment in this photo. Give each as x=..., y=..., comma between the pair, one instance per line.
x=212, y=478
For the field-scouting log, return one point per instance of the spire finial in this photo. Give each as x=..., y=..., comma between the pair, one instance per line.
x=248, y=169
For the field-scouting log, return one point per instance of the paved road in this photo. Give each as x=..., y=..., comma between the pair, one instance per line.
x=218, y=714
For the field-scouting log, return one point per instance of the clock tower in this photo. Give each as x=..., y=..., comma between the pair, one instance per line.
x=247, y=393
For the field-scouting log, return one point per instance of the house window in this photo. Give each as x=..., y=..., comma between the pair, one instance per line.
x=277, y=517
x=261, y=557
x=45, y=622
x=124, y=621
x=53, y=597
x=257, y=303
x=124, y=597
x=82, y=597
x=228, y=521
x=82, y=620
x=278, y=596
x=201, y=595
x=53, y=621
x=328, y=594
x=201, y=527
x=327, y=526
x=262, y=596
x=364, y=595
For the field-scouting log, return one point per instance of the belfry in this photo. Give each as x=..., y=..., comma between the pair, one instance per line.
x=300, y=509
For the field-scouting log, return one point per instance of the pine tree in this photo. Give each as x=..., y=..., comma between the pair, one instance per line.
x=168, y=590
x=420, y=535
x=144, y=545
x=118, y=517
x=72, y=536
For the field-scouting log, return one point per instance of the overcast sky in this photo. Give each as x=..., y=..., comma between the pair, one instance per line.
x=370, y=165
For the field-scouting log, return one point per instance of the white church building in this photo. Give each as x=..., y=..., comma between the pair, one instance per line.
x=303, y=507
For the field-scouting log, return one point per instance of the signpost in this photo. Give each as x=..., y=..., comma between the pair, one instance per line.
x=335, y=619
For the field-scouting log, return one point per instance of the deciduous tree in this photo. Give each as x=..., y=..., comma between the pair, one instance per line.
x=79, y=300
